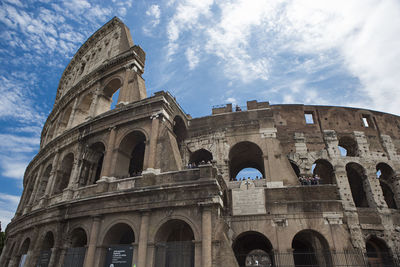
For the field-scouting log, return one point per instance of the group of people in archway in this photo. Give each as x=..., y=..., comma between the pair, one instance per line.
x=310, y=180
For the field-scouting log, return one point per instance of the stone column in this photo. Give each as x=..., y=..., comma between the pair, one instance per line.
x=108, y=157
x=142, y=250
x=53, y=256
x=151, y=156
x=95, y=101
x=70, y=122
x=206, y=258
x=53, y=174
x=35, y=187
x=91, y=250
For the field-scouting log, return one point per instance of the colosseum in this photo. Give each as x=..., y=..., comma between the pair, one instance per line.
x=143, y=184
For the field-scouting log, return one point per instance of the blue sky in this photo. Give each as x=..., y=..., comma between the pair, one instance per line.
x=206, y=53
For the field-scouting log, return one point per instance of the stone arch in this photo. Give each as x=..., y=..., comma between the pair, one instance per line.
x=200, y=156
x=174, y=244
x=245, y=155
x=83, y=108
x=252, y=246
x=349, y=144
x=378, y=252
x=324, y=170
x=63, y=122
x=180, y=130
x=195, y=228
x=23, y=251
x=356, y=176
x=46, y=248
x=130, y=156
x=76, y=242
x=43, y=182
x=64, y=173
x=92, y=164
x=295, y=167
x=110, y=91
x=310, y=248
x=385, y=174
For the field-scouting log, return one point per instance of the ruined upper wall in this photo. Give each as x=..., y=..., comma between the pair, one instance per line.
x=109, y=41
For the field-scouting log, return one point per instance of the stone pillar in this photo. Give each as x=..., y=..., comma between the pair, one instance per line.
x=95, y=101
x=53, y=175
x=151, y=156
x=53, y=256
x=142, y=250
x=206, y=259
x=108, y=157
x=35, y=187
x=72, y=116
x=91, y=250
x=197, y=253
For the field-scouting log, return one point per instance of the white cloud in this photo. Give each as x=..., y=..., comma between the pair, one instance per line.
x=192, y=56
x=8, y=204
x=154, y=12
x=249, y=39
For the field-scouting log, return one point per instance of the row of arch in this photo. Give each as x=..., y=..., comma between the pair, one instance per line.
x=88, y=105
x=309, y=248
x=174, y=243
x=86, y=167
x=174, y=246
x=357, y=178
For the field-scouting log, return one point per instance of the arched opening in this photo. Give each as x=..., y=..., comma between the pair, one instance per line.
x=82, y=112
x=75, y=254
x=111, y=93
x=179, y=130
x=131, y=155
x=310, y=248
x=119, y=245
x=64, y=173
x=385, y=174
x=245, y=155
x=45, y=251
x=65, y=119
x=323, y=171
x=378, y=253
x=253, y=249
x=174, y=245
x=356, y=176
x=200, y=156
x=24, y=251
x=43, y=183
x=92, y=164
x=348, y=146
x=295, y=168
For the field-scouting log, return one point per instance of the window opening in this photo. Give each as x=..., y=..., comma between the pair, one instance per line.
x=114, y=99
x=309, y=117
x=367, y=121
x=348, y=146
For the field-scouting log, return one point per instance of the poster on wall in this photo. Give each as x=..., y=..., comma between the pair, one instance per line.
x=119, y=256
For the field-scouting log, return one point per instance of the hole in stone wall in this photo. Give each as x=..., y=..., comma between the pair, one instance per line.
x=309, y=117
x=348, y=145
x=179, y=130
x=356, y=175
x=310, y=248
x=253, y=246
x=385, y=173
x=200, y=156
x=324, y=170
x=245, y=155
x=295, y=168
x=130, y=157
x=64, y=173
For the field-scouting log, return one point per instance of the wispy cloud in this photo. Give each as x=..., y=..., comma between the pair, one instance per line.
x=8, y=204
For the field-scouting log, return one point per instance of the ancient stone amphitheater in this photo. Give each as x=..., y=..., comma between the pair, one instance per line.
x=144, y=184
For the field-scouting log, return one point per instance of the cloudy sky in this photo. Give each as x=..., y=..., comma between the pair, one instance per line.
x=206, y=53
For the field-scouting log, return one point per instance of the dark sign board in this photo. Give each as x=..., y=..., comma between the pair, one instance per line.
x=119, y=256
x=44, y=258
